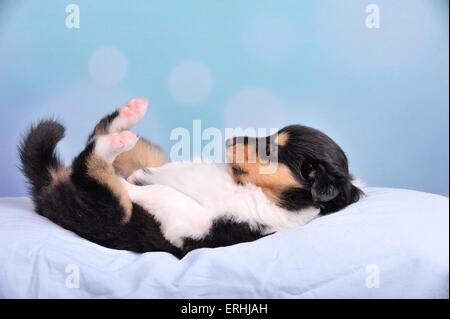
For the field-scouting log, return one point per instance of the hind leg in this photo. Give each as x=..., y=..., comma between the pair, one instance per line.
x=144, y=153
x=124, y=118
x=94, y=175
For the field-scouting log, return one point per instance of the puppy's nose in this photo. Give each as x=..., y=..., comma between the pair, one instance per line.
x=230, y=142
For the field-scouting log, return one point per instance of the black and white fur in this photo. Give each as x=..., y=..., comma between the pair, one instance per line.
x=178, y=207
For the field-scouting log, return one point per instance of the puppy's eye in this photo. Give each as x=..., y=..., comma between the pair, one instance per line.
x=271, y=149
x=238, y=171
x=308, y=171
x=268, y=149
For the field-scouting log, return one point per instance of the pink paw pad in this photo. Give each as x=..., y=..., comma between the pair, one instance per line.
x=129, y=114
x=122, y=141
x=111, y=145
x=116, y=142
x=134, y=109
x=138, y=104
x=128, y=137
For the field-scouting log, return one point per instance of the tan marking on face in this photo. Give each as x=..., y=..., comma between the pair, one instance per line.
x=143, y=154
x=104, y=173
x=281, y=139
x=273, y=183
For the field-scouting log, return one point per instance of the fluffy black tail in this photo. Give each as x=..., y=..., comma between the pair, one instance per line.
x=38, y=155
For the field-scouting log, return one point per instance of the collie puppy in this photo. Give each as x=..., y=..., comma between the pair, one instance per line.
x=121, y=192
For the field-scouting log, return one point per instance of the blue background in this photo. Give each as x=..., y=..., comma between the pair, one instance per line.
x=382, y=94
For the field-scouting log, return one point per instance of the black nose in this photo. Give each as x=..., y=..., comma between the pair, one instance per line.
x=230, y=142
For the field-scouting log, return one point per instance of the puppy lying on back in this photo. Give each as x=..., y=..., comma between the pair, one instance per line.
x=121, y=193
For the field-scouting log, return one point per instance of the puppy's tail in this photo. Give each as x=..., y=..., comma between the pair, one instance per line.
x=37, y=151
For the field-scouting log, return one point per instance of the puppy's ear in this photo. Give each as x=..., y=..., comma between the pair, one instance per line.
x=323, y=185
x=328, y=192
x=348, y=194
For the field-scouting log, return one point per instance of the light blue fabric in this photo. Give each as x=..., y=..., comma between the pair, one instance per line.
x=396, y=240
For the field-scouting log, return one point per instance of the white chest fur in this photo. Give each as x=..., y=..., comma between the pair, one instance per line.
x=186, y=198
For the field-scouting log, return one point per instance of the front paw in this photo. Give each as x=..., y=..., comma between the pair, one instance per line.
x=141, y=177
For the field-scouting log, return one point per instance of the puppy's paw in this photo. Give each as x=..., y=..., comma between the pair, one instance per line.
x=111, y=145
x=129, y=114
x=141, y=177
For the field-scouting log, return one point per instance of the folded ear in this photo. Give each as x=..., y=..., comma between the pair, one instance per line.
x=331, y=193
x=324, y=186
